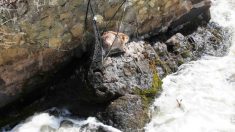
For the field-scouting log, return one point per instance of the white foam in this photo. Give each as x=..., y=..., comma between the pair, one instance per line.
x=223, y=13
x=200, y=96
x=37, y=122
x=207, y=90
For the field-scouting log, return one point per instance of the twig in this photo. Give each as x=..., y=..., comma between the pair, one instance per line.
x=87, y=11
x=106, y=26
x=119, y=25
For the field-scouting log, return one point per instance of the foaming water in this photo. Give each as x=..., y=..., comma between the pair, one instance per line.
x=223, y=13
x=44, y=122
x=200, y=96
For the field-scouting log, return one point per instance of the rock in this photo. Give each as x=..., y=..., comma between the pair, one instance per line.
x=134, y=71
x=160, y=48
x=55, y=42
x=128, y=113
x=179, y=49
x=231, y=78
x=50, y=31
x=77, y=30
x=47, y=128
x=93, y=128
x=61, y=2
x=66, y=123
x=18, y=77
x=210, y=40
x=129, y=84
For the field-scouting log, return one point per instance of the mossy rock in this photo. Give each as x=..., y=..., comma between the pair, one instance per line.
x=148, y=94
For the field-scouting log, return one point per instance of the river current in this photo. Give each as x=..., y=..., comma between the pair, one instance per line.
x=199, y=97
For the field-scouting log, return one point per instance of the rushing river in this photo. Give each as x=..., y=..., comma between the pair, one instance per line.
x=200, y=97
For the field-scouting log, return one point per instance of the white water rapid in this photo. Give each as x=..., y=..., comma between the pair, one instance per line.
x=45, y=122
x=200, y=97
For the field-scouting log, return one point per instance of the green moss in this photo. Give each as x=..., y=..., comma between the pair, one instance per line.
x=148, y=95
x=180, y=62
x=163, y=64
x=186, y=54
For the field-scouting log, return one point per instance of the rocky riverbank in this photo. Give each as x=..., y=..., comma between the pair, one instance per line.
x=40, y=36
x=50, y=59
x=129, y=81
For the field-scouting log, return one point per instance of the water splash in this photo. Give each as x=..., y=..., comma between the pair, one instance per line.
x=44, y=122
x=200, y=96
x=205, y=93
x=223, y=13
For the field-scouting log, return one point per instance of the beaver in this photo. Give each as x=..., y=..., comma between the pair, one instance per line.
x=114, y=41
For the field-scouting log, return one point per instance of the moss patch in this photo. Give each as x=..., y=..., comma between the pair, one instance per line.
x=148, y=94
x=163, y=64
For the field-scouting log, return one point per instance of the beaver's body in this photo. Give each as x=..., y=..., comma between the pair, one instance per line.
x=114, y=40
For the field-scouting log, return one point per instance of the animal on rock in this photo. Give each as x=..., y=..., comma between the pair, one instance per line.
x=114, y=41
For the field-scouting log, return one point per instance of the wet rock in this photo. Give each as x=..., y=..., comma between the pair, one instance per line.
x=66, y=123
x=94, y=128
x=160, y=48
x=231, y=79
x=50, y=31
x=127, y=73
x=128, y=82
x=178, y=49
x=176, y=44
x=210, y=40
x=128, y=113
x=20, y=70
x=47, y=128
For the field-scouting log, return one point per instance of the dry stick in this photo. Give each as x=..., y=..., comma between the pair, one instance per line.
x=87, y=10
x=124, y=1
x=119, y=25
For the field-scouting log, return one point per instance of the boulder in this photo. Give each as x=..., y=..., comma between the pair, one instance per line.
x=178, y=49
x=128, y=83
x=128, y=113
x=128, y=73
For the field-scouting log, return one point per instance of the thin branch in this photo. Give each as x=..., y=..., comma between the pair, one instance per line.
x=106, y=26
x=87, y=11
x=119, y=25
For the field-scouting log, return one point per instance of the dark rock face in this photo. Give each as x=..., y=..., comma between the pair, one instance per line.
x=130, y=80
x=123, y=74
x=42, y=35
x=128, y=113
x=179, y=49
x=188, y=23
